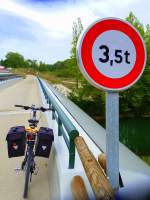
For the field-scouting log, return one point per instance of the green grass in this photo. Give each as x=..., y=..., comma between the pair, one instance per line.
x=23, y=71
x=51, y=77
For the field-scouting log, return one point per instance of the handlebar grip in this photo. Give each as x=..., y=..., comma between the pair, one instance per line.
x=20, y=106
x=24, y=107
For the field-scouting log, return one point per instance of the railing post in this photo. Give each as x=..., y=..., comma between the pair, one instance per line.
x=47, y=100
x=53, y=113
x=44, y=93
x=49, y=103
x=46, y=97
x=73, y=134
x=59, y=127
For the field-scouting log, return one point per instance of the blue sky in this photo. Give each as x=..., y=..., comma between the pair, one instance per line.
x=42, y=29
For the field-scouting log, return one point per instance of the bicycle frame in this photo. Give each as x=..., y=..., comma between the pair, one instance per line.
x=29, y=164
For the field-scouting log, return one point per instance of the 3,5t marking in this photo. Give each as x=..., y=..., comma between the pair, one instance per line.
x=120, y=56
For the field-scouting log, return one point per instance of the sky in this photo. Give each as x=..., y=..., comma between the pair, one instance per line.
x=42, y=29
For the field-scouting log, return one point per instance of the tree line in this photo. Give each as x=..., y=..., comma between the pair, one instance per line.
x=16, y=60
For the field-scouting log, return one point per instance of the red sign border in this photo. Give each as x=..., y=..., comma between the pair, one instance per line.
x=87, y=66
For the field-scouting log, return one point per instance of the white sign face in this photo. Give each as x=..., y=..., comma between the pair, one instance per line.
x=114, y=59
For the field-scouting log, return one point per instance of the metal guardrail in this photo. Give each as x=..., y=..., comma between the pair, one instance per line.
x=3, y=82
x=5, y=77
x=65, y=126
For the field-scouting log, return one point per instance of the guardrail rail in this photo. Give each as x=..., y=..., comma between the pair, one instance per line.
x=65, y=126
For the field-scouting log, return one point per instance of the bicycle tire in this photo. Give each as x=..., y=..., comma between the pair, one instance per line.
x=27, y=175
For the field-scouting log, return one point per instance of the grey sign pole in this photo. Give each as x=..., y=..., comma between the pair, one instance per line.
x=112, y=138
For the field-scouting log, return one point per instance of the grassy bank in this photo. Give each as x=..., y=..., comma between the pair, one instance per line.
x=51, y=77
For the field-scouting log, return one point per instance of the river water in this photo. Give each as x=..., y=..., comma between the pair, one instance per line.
x=135, y=134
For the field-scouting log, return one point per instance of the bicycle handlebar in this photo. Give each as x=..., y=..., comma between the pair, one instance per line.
x=34, y=108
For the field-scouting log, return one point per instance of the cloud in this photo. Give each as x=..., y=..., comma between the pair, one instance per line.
x=26, y=33
x=43, y=28
x=14, y=26
x=29, y=39
x=51, y=18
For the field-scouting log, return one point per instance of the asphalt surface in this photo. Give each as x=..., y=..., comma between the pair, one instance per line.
x=24, y=92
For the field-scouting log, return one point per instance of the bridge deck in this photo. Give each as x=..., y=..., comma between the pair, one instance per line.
x=11, y=183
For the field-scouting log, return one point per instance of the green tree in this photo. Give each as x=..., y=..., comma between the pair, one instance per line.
x=14, y=60
x=132, y=19
x=77, y=29
x=136, y=100
x=85, y=95
x=147, y=42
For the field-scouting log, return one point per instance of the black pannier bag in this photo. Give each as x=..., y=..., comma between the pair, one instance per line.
x=16, y=141
x=45, y=137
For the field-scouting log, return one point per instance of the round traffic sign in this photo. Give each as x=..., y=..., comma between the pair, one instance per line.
x=111, y=54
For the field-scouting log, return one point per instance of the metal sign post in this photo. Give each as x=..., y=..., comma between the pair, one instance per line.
x=112, y=56
x=112, y=138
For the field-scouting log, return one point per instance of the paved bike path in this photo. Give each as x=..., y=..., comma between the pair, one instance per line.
x=11, y=183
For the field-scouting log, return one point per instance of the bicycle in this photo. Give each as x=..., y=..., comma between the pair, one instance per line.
x=28, y=165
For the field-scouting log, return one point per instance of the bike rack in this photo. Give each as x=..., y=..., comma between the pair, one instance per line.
x=65, y=126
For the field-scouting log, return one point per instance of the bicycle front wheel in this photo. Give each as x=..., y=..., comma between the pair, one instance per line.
x=27, y=175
